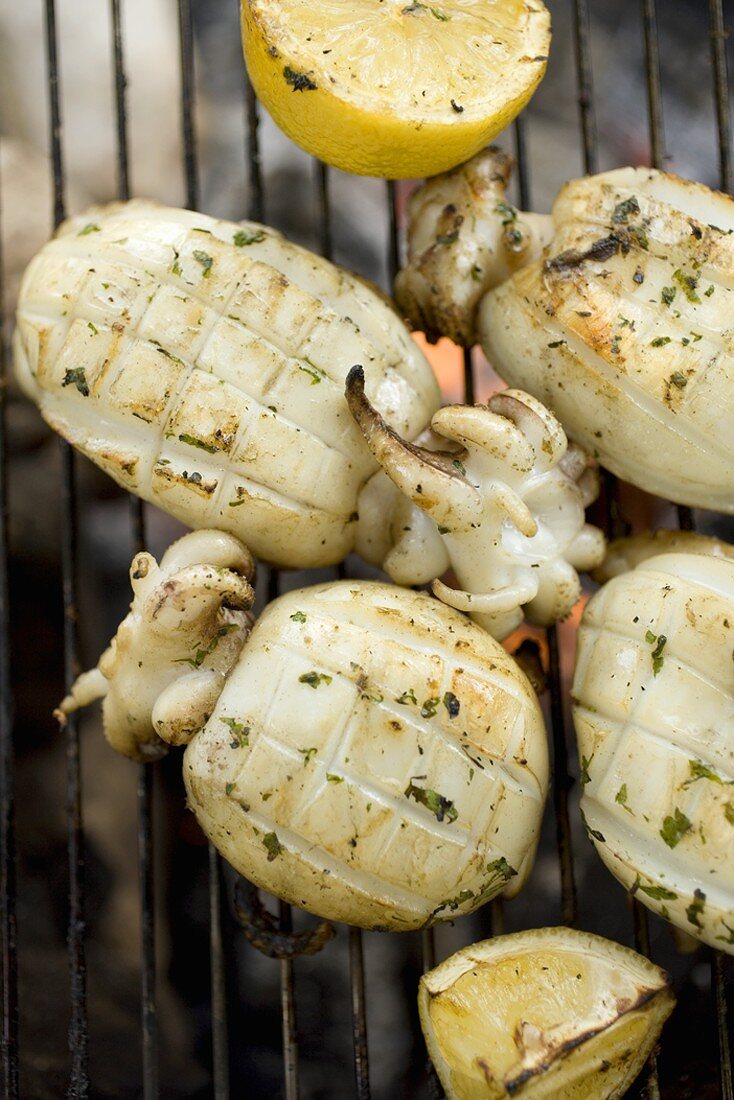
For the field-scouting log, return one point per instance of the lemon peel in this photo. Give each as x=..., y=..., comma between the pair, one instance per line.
x=394, y=88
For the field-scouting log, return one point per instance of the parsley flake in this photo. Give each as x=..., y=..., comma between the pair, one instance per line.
x=273, y=845
x=77, y=377
x=443, y=808
x=242, y=238
x=314, y=679
x=205, y=260
x=675, y=827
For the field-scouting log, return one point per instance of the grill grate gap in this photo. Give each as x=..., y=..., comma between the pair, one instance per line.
x=78, y=1025
x=8, y=870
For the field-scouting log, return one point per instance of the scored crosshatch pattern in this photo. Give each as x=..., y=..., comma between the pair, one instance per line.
x=671, y=705
x=199, y=366
x=344, y=712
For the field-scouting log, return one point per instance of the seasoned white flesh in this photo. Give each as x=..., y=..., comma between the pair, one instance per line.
x=464, y=238
x=367, y=753
x=624, y=330
x=626, y=553
x=165, y=667
x=654, y=713
x=202, y=365
x=549, y=1014
x=504, y=510
x=374, y=758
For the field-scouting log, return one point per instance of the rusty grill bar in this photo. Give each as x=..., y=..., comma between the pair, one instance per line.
x=78, y=1083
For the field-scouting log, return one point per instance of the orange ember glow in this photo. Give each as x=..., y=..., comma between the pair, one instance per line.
x=447, y=360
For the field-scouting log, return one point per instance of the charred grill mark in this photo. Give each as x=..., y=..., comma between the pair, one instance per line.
x=514, y=1083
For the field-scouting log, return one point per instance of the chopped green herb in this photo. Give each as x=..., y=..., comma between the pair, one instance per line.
x=650, y=638
x=458, y=465
x=205, y=260
x=407, y=697
x=331, y=778
x=307, y=754
x=476, y=273
x=239, y=730
x=506, y=212
x=585, y=762
x=660, y=341
x=202, y=652
x=624, y=210
x=500, y=873
x=451, y=703
x=592, y=832
x=167, y=354
x=429, y=707
x=688, y=284
x=729, y=812
x=228, y=788
x=316, y=374
x=621, y=797
x=657, y=893
x=678, y=379
x=194, y=442
x=668, y=294
x=92, y=328
x=444, y=530
x=657, y=655
x=452, y=904
x=90, y=228
x=273, y=845
x=443, y=808
x=699, y=770
x=313, y=679
x=176, y=268
x=696, y=908
x=709, y=292
x=77, y=377
x=730, y=937
x=448, y=238
x=298, y=617
x=675, y=827
x=242, y=238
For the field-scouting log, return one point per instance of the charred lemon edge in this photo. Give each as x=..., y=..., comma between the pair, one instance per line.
x=442, y=977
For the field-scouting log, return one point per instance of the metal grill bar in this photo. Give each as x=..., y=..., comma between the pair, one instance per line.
x=562, y=781
x=220, y=1042
x=256, y=209
x=359, y=1015
x=146, y=778
x=8, y=883
x=288, y=1012
x=78, y=1026
x=356, y=955
x=721, y=93
x=587, y=115
x=220, y=1037
x=654, y=90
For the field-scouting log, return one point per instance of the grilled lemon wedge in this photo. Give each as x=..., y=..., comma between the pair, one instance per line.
x=542, y=1014
x=394, y=88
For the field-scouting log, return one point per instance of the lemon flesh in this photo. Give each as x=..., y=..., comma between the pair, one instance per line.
x=547, y=1013
x=394, y=88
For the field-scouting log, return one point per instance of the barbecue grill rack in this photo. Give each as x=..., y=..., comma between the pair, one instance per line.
x=698, y=1060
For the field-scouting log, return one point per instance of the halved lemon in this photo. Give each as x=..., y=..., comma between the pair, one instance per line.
x=548, y=1013
x=394, y=88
